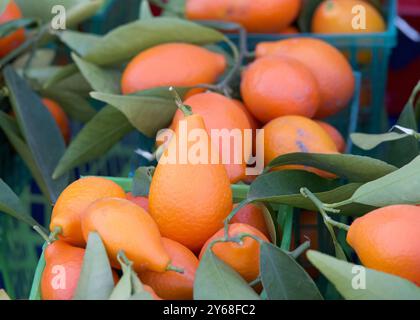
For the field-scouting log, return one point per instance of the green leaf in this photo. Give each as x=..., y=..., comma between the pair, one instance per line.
x=173, y=8
x=41, y=59
x=4, y=295
x=123, y=290
x=35, y=293
x=215, y=280
x=11, y=26
x=144, y=295
x=40, y=130
x=107, y=81
x=61, y=74
x=79, y=42
x=283, y=278
x=96, y=281
x=285, y=221
x=269, y=214
x=145, y=11
x=105, y=129
x=156, y=104
x=370, y=141
x=398, y=187
x=283, y=187
x=11, y=130
x=142, y=180
x=128, y=40
x=77, y=107
x=354, y=168
x=11, y=205
x=347, y=277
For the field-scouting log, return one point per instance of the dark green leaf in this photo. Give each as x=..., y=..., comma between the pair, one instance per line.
x=354, y=168
x=77, y=107
x=11, y=205
x=83, y=11
x=157, y=104
x=359, y=283
x=98, y=136
x=128, y=40
x=11, y=130
x=369, y=141
x=79, y=42
x=142, y=180
x=283, y=278
x=106, y=81
x=398, y=187
x=61, y=74
x=41, y=58
x=40, y=130
x=283, y=187
x=96, y=281
x=215, y=280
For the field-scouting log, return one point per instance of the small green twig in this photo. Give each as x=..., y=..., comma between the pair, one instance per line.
x=53, y=235
x=301, y=249
x=41, y=232
x=256, y=281
x=187, y=111
x=231, y=215
x=323, y=209
x=173, y=268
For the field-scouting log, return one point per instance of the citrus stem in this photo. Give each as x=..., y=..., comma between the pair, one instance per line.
x=232, y=214
x=122, y=259
x=186, y=110
x=53, y=235
x=41, y=232
x=301, y=249
x=321, y=207
x=256, y=281
x=173, y=268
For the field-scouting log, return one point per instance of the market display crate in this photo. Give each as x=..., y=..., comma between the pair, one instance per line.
x=368, y=53
x=113, y=14
x=346, y=121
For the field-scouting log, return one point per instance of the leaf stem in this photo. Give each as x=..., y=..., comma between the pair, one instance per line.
x=53, y=235
x=256, y=281
x=301, y=249
x=186, y=110
x=235, y=210
x=170, y=267
x=41, y=232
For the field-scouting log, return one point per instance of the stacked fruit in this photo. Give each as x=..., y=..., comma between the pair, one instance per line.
x=330, y=16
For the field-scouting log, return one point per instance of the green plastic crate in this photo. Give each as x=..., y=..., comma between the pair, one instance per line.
x=374, y=74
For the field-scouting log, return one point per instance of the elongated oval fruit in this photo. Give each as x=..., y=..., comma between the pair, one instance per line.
x=63, y=264
x=329, y=66
x=74, y=200
x=172, y=64
x=387, y=240
x=189, y=199
x=264, y=16
x=126, y=226
x=171, y=285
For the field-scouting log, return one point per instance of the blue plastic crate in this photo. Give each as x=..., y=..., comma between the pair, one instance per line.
x=374, y=73
x=113, y=14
